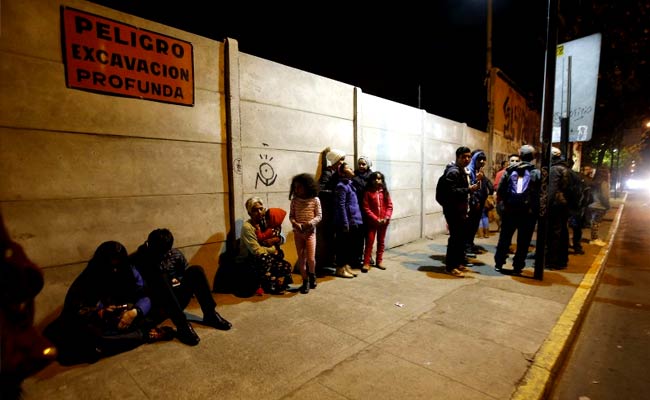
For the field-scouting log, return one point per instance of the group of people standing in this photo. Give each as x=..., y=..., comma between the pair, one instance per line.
x=335, y=221
x=357, y=209
x=574, y=199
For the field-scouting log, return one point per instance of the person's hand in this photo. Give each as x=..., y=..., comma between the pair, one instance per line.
x=474, y=187
x=480, y=175
x=127, y=318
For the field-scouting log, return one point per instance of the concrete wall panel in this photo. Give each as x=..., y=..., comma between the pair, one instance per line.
x=406, y=203
x=293, y=129
x=382, y=145
x=40, y=100
x=56, y=232
x=89, y=166
x=388, y=115
x=266, y=82
x=403, y=231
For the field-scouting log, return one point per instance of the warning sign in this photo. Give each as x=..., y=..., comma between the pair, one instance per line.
x=106, y=56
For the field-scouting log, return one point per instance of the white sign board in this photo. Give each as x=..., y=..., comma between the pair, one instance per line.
x=583, y=57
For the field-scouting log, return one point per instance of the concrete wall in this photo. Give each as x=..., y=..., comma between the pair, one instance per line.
x=80, y=168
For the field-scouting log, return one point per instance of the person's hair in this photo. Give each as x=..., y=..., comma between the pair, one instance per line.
x=512, y=155
x=308, y=183
x=462, y=150
x=372, y=183
x=160, y=241
x=108, y=269
x=251, y=202
x=341, y=168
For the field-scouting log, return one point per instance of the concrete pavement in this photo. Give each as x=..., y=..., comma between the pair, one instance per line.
x=409, y=332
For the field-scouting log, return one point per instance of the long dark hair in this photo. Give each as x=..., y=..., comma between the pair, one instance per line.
x=308, y=182
x=372, y=182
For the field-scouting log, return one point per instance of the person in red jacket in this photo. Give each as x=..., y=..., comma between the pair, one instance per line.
x=378, y=208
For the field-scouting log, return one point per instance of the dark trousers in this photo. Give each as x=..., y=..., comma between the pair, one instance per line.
x=170, y=302
x=558, y=238
x=457, y=225
x=348, y=245
x=473, y=221
x=524, y=224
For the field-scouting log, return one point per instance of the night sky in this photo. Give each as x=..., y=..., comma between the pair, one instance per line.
x=387, y=51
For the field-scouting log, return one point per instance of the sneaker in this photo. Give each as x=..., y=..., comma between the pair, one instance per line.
x=379, y=266
x=597, y=242
x=457, y=273
x=498, y=267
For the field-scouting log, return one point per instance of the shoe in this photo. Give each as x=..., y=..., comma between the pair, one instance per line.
x=597, y=242
x=470, y=255
x=517, y=271
x=304, y=289
x=342, y=273
x=163, y=333
x=498, y=267
x=185, y=333
x=365, y=268
x=349, y=270
x=455, y=272
x=381, y=267
x=217, y=321
x=462, y=268
x=312, y=281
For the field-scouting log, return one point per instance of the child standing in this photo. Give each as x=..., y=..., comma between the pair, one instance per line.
x=378, y=208
x=348, y=221
x=305, y=212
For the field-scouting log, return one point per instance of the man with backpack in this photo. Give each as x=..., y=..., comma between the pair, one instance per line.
x=518, y=194
x=452, y=192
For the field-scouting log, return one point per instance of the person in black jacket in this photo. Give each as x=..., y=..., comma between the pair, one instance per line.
x=456, y=210
x=172, y=283
x=518, y=193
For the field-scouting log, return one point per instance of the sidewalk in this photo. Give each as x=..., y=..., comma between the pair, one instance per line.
x=410, y=332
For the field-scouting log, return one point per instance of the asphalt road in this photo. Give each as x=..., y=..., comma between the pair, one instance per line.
x=610, y=357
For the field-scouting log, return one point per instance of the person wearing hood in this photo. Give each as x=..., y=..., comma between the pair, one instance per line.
x=105, y=310
x=476, y=199
x=360, y=181
x=518, y=193
x=560, y=203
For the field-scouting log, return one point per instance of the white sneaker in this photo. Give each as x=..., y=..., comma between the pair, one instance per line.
x=597, y=242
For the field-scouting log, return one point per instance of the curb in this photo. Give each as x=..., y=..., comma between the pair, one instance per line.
x=536, y=383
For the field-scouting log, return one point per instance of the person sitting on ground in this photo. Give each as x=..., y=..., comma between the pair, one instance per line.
x=105, y=310
x=173, y=282
x=272, y=271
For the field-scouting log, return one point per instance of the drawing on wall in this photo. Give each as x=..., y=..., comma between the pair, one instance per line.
x=266, y=173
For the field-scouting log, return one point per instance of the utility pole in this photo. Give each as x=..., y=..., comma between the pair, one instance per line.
x=547, y=137
x=488, y=84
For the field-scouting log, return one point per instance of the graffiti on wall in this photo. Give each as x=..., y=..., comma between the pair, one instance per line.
x=512, y=116
x=265, y=174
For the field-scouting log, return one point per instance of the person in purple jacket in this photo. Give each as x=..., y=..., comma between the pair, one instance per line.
x=348, y=222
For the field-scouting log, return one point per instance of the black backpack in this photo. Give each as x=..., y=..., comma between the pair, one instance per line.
x=443, y=190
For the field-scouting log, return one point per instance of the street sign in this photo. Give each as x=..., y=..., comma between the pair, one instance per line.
x=576, y=82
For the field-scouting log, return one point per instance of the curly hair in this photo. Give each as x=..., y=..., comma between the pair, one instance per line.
x=308, y=182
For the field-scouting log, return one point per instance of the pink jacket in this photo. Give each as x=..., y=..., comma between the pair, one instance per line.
x=377, y=205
